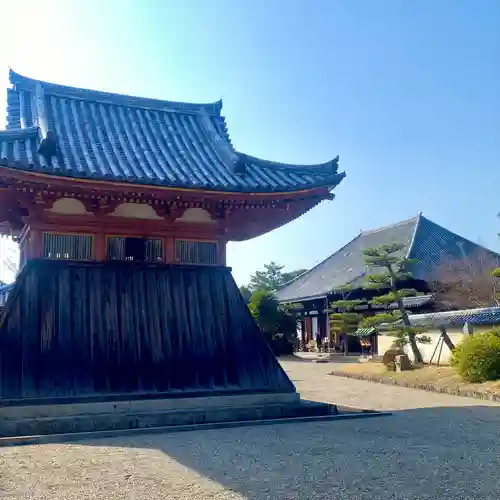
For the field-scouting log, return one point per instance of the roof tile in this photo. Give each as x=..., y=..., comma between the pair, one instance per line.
x=482, y=316
x=144, y=141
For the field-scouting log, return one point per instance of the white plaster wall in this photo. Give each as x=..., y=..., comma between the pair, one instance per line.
x=456, y=335
x=69, y=206
x=198, y=215
x=136, y=211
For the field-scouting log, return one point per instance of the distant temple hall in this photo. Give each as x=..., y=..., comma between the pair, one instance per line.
x=122, y=207
x=424, y=241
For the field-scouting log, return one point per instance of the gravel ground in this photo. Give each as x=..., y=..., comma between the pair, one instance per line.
x=314, y=382
x=437, y=447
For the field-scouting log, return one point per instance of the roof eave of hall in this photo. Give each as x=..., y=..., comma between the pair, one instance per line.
x=330, y=178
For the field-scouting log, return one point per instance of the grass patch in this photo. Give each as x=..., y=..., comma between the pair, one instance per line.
x=438, y=378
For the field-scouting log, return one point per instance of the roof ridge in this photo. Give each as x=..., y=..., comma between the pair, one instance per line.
x=412, y=242
x=55, y=89
x=389, y=226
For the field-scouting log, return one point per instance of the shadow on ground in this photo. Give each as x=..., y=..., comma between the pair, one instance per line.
x=431, y=453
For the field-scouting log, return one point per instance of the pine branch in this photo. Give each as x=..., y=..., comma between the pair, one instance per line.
x=346, y=304
x=380, y=319
x=388, y=298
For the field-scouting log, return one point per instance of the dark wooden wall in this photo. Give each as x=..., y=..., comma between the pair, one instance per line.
x=75, y=329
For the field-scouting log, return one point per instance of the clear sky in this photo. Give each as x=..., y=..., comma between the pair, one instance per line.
x=407, y=92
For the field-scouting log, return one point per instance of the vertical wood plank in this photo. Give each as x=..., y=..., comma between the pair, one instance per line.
x=83, y=328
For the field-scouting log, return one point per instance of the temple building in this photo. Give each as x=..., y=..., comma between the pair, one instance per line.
x=82, y=171
x=428, y=243
x=122, y=208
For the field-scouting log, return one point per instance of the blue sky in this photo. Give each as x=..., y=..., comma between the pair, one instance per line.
x=406, y=92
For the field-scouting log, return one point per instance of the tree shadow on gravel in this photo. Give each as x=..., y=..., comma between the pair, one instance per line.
x=429, y=453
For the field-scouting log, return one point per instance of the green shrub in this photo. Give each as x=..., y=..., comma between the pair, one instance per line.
x=389, y=358
x=477, y=358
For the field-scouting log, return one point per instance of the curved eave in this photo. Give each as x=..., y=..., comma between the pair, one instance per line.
x=326, y=168
x=18, y=154
x=21, y=82
x=246, y=230
x=28, y=174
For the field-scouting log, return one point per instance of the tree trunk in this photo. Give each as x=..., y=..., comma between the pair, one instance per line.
x=412, y=338
x=446, y=338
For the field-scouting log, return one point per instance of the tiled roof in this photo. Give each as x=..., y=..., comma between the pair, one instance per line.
x=347, y=264
x=142, y=141
x=423, y=240
x=483, y=316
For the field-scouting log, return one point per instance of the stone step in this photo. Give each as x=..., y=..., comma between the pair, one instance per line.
x=26, y=409
x=79, y=436
x=92, y=421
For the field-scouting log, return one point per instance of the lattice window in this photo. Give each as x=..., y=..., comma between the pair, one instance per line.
x=154, y=249
x=116, y=249
x=196, y=252
x=67, y=246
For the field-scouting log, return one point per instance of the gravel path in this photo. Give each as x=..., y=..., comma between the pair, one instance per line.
x=313, y=382
x=440, y=447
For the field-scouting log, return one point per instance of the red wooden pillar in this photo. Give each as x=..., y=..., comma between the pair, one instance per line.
x=99, y=246
x=35, y=244
x=170, y=249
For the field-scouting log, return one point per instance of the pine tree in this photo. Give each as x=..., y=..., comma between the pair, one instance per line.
x=272, y=277
x=345, y=321
x=394, y=270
